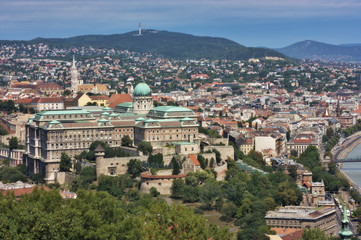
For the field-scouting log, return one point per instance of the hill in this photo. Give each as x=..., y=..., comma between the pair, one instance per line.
x=168, y=44
x=322, y=51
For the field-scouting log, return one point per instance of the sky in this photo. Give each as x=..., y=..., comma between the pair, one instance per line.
x=253, y=23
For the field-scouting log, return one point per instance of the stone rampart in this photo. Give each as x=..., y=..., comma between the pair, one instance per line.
x=64, y=177
x=226, y=151
x=162, y=183
x=115, y=166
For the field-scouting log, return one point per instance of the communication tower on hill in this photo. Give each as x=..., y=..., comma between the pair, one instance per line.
x=140, y=29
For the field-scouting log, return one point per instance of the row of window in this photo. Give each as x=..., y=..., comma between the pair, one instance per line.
x=65, y=116
x=170, y=130
x=171, y=137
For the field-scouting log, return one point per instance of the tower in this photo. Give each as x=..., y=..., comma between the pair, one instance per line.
x=140, y=29
x=74, y=77
x=356, y=103
x=345, y=232
x=338, y=109
x=142, y=99
x=131, y=91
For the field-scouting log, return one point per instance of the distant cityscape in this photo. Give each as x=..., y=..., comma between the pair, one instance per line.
x=258, y=143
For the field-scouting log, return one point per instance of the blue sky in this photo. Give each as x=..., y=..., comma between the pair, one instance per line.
x=269, y=23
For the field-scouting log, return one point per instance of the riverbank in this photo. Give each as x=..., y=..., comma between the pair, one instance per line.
x=346, y=146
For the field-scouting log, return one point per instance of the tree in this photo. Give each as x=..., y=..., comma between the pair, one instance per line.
x=202, y=161
x=288, y=135
x=329, y=133
x=154, y=192
x=145, y=147
x=65, y=162
x=177, y=188
x=126, y=141
x=13, y=143
x=218, y=156
x=294, y=153
x=190, y=193
x=156, y=161
x=3, y=132
x=228, y=211
x=176, y=166
x=314, y=234
x=135, y=167
x=113, y=185
x=209, y=193
x=66, y=92
x=292, y=171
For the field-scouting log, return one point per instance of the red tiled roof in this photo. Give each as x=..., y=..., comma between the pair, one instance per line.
x=21, y=191
x=146, y=175
x=194, y=159
x=284, y=230
x=307, y=140
x=293, y=236
x=24, y=101
x=116, y=99
x=47, y=100
x=99, y=97
x=49, y=86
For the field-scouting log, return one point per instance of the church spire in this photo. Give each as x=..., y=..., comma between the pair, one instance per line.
x=345, y=232
x=74, y=77
x=73, y=61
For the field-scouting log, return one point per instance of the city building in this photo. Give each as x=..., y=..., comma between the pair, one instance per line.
x=297, y=217
x=49, y=133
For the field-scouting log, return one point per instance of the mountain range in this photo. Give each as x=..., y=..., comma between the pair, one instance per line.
x=322, y=51
x=168, y=44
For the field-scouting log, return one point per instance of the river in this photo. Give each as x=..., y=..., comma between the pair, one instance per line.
x=353, y=169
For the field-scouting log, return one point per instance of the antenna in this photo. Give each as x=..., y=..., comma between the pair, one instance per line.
x=140, y=29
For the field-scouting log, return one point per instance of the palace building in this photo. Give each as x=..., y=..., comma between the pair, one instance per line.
x=49, y=133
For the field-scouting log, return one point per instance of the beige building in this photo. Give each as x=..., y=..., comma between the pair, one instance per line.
x=297, y=217
x=49, y=133
x=47, y=103
x=246, y=145
x=301, y=142
x=100, y=100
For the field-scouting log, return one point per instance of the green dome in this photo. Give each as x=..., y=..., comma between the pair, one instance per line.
x=142, y=89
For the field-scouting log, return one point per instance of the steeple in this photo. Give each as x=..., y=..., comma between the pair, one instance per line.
x=74, y=77
x=345, y=232
x=73, y=66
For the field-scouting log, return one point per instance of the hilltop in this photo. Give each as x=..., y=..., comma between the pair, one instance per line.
x=322, y=51
x=168, y=44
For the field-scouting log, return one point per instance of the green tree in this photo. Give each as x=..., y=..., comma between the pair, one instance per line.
x=218, y=156
x=135, y=167
x=3, y=132
x=176, y=166
x=209, y=193
x=190, y=193
x=177, y=188
x=228, y=211
x=288, y=134
x=314, y=234
x=292, y=171
x=126, y=141
x=154, y=192
x=294, y=153
x=65, y=162
x=66, y=92
x=202, y=161
x=13, y=143
x=145, y=147
x=156, y=161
